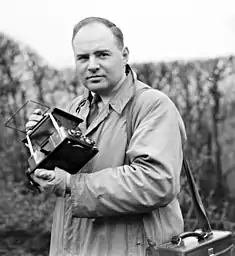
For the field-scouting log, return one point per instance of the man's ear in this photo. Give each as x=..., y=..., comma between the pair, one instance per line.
x=125, y=55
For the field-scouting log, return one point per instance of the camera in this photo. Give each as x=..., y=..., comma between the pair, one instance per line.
x=55, y=141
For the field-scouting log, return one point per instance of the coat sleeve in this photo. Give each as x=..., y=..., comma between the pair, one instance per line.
x=152, y=179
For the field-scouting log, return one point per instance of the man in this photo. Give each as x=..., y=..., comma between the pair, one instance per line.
x=124, y=201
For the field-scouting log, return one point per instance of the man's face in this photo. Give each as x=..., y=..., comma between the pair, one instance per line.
x=100, y=64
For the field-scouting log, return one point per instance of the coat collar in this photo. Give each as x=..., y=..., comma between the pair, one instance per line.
x=125, y=92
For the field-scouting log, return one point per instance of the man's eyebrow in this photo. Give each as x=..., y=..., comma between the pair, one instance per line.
x=96, y=52
x=102, y=50
x=82, y=54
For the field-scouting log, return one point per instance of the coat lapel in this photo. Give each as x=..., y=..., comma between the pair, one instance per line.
x=98, y=120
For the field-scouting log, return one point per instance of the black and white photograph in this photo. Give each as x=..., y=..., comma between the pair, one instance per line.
x=117, y=128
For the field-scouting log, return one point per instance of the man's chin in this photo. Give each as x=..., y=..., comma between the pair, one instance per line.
x=97, y=87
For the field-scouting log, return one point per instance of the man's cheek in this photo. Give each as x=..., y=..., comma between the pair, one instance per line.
x=81, y=78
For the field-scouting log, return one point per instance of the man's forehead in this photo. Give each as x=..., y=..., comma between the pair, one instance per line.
x=94, y=33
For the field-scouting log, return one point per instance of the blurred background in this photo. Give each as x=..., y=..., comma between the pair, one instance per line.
x=185, y=48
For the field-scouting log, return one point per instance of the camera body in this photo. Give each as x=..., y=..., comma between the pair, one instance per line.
x=57, y=141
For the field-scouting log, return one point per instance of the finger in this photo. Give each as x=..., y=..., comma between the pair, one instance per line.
x=36, y=185
x=37, y=111
x=35, y=180
x=30, y=124
x=44, y=174
x=35, y=117
x=41, y=173
x=39, y=183
x=33, y=120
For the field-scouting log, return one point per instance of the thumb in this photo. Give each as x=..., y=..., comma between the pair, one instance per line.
x=44, y=174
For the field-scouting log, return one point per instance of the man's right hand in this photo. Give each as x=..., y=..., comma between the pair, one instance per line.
x=34, y=118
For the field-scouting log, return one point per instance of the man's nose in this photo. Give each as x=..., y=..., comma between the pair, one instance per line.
x=93, y=64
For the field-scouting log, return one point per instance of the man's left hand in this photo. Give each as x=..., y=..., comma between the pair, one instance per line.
x=56, y=181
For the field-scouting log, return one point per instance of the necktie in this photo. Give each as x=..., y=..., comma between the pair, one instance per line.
x=94, y=109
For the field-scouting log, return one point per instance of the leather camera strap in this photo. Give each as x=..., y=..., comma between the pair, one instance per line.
x=197, y=201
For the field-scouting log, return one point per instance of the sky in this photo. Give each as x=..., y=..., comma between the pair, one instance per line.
x=154, y=30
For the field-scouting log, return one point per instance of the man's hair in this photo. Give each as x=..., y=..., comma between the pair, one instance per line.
x=89, y=20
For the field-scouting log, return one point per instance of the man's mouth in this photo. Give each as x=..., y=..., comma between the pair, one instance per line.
x=94, y=77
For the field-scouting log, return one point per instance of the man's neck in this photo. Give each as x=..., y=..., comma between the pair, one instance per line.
x=107, y=98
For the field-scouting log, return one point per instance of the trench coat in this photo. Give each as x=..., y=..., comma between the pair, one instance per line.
x=116, y=208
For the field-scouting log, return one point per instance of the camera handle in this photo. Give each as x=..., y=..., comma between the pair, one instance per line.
x=55, y=124
x=29, y=144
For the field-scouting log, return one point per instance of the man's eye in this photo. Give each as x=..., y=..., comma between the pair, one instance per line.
x=102, y=55
x=82, y=58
